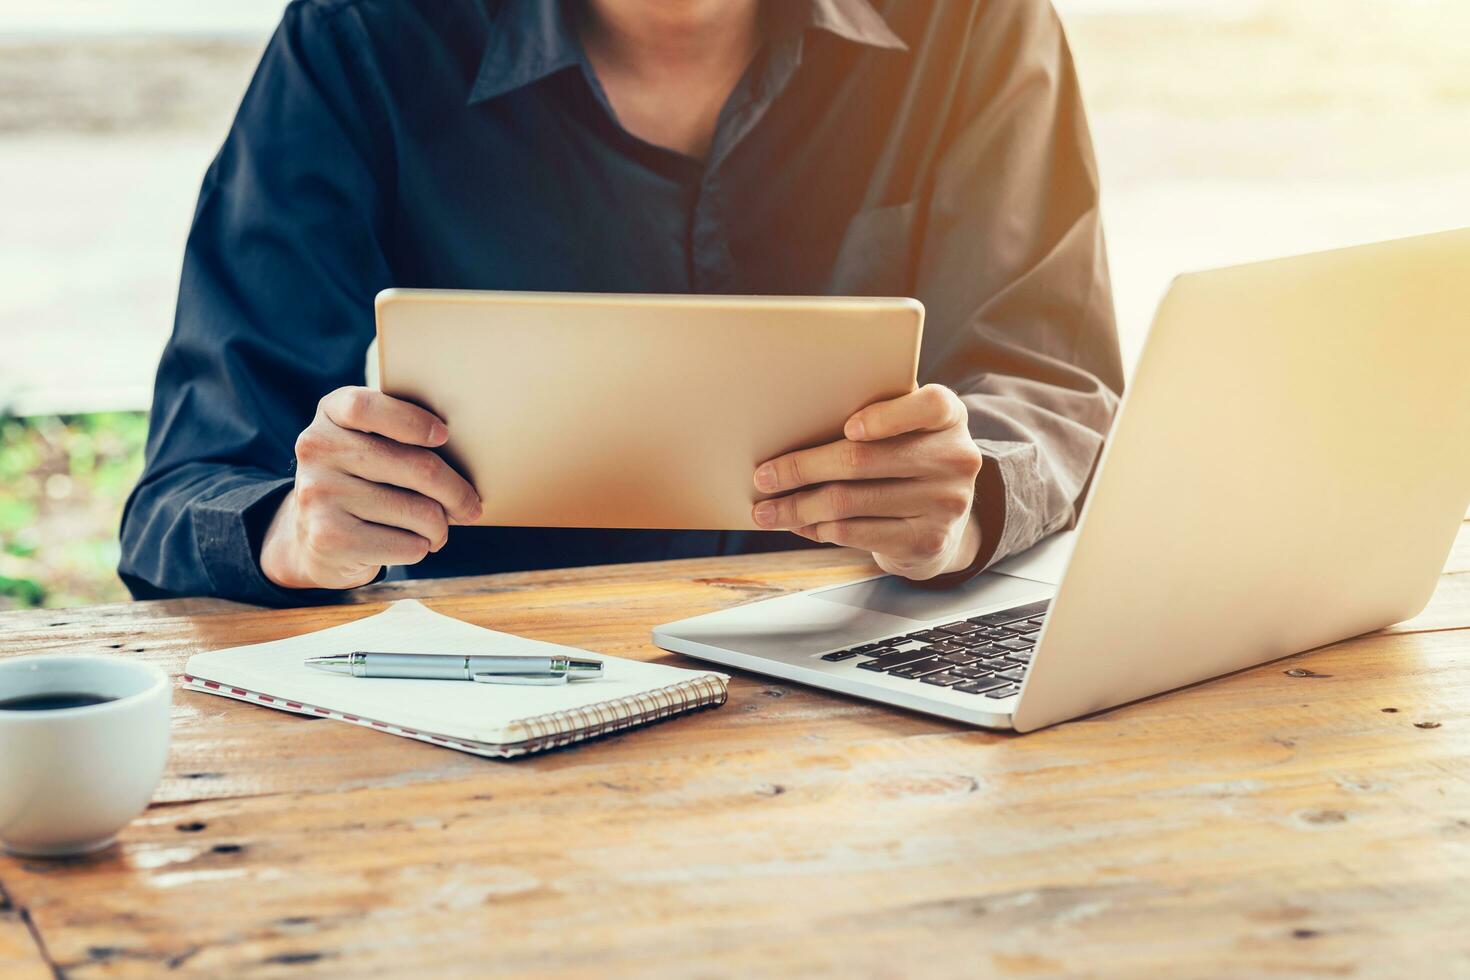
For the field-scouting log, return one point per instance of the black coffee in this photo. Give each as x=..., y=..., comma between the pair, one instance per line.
x=52, y=701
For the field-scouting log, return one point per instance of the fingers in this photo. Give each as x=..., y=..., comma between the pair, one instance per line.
x=928, y=409
x=881, y=535
x=901, y=485
x=369, y=492
x=366, y=410
x=381, y=460
x=841, y=460
x=869, y=498
x=423, y=472
x=920, y=454
x=392, y=507
x=337, y=539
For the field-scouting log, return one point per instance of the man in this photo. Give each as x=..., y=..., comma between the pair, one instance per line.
x=936, y=149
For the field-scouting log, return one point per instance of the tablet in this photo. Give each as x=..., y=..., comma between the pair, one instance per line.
x=633, y=411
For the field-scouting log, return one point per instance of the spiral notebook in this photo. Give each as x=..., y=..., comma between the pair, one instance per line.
x=485, y=719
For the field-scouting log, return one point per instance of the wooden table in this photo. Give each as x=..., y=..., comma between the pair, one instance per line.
x=1273, y=822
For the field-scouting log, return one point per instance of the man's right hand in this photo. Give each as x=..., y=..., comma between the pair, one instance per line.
x=369, y=492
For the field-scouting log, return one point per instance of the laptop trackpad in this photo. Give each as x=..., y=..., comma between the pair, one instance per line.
x=898, y=597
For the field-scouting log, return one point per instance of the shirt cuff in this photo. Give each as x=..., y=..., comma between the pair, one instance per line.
x=229, y=528
x=1018, y=496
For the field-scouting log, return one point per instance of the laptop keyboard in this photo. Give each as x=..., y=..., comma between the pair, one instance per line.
x=985, y=655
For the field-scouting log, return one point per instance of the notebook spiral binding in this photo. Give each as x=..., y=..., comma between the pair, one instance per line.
x=558, y=728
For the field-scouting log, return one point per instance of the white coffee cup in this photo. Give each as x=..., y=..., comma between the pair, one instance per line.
x=71, y=778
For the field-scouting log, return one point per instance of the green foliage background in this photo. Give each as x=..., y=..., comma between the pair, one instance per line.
x=63, y=481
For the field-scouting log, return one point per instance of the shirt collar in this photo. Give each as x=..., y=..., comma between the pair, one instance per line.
x=855, y=20
x=531, y=39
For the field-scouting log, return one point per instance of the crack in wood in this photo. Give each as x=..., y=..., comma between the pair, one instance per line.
x=746, y=585
x=179, y=959
x=1417, y=631
x=107, y=954
x=8, y=907
x=295, y=921
x=196, y=800
x=295, y=958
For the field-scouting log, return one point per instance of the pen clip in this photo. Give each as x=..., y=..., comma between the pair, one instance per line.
x=539, y=680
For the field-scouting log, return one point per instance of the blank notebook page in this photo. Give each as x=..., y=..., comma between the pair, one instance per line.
x=488, y=715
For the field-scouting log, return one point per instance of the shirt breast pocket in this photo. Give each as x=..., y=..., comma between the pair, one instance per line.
x=875, y=255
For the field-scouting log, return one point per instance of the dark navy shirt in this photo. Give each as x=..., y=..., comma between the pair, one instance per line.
x=934, y=149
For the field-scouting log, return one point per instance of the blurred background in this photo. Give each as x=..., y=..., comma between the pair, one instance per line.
x=1227, y=131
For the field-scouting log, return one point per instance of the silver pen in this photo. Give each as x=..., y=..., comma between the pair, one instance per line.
x=456, y=667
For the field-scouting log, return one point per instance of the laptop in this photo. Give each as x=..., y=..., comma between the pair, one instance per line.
x=1288, y=468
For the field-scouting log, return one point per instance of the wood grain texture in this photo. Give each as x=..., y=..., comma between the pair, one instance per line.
x=21, y=957
x=1261, y=824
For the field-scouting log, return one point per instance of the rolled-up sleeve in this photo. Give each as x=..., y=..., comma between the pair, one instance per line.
x=1014, y=276
x=274, y=310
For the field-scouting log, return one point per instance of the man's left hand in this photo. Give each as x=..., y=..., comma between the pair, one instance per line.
x=901, y=484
